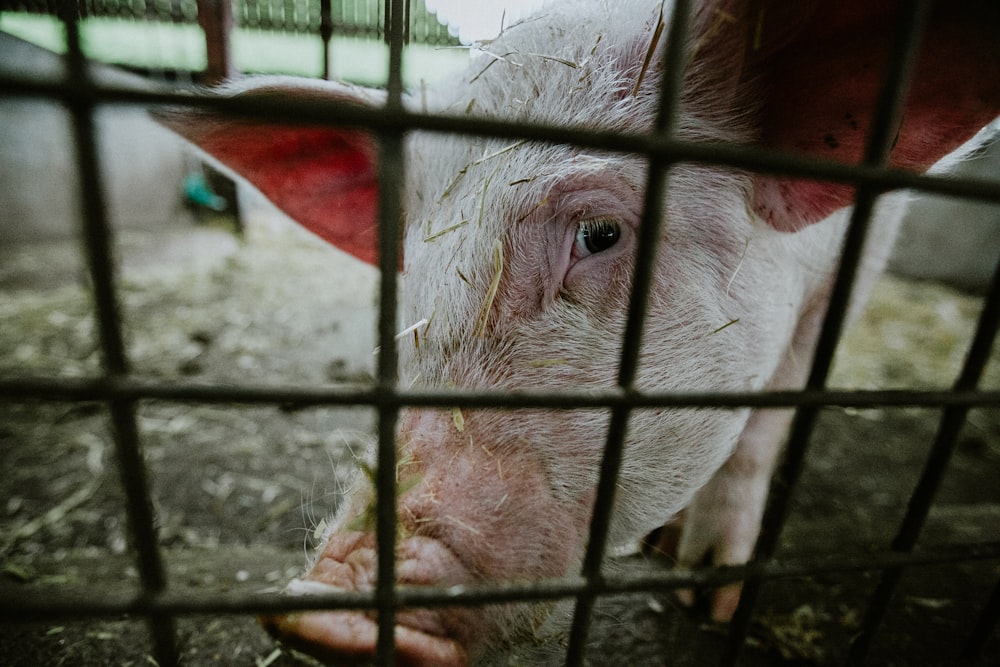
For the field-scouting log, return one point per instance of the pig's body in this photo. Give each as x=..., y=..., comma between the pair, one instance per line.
x=520, y=255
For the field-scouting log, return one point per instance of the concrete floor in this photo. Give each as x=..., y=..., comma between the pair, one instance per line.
x=238, y=490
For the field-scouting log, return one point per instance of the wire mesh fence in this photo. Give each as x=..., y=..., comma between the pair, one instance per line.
x=122, y=392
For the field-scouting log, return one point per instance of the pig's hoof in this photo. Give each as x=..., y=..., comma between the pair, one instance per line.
x=717, y=603
x=349, y=638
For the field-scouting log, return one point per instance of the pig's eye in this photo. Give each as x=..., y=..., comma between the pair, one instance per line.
x=595, y=235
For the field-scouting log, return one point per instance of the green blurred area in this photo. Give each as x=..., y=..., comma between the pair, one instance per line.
x=168, y=46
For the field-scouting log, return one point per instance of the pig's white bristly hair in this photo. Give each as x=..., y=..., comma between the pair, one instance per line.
x=563, y=67
x=571, y=65
x=527, y=78
x=581, y=64
x=577, y=64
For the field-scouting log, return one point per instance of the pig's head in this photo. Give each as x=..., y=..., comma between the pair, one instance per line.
x=519, y=260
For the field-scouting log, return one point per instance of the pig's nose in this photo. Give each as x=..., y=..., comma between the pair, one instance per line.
x=347, y=563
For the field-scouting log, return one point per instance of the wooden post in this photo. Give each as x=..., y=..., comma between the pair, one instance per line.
x=326, y=34
x=216, y=19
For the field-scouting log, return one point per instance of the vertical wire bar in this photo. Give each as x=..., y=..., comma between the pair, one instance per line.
x=100, y=261
x=952, y=420
x=650, y=232
x=391, y=169
x=980, y=634
x=909, y=28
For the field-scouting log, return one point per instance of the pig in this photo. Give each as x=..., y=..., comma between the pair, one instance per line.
x=518, y=266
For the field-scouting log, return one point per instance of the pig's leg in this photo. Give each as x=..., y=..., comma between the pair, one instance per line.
x=722, y=523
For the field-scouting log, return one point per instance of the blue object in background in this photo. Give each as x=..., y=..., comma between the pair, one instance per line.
x=200, y=193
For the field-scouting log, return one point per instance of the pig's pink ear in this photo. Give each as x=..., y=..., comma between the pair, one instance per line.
x=823, y=65
x=323, y=177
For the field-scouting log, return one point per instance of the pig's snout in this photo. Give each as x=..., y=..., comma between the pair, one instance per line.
x=347, y=563
x=470, y=510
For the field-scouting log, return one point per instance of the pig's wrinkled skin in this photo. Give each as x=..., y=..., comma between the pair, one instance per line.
x=739, y=289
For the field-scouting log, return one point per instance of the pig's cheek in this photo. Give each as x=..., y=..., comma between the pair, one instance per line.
x=601, y=289
x=502, y=531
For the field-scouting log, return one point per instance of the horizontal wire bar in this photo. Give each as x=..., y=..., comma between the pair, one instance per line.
x=294, y=397
x=330, y=112
x=29, y=607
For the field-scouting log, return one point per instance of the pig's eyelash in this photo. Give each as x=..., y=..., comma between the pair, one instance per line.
x=597, y=234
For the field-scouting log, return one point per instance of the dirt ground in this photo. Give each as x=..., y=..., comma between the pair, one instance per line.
x=238, y=491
